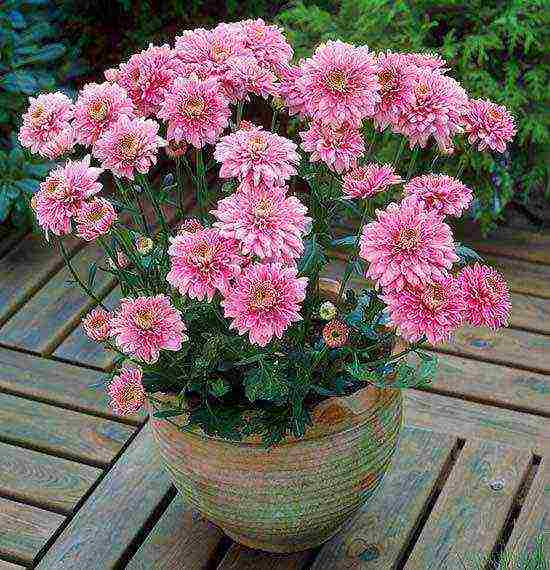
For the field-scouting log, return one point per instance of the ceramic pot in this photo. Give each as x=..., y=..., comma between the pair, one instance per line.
x=296, y=495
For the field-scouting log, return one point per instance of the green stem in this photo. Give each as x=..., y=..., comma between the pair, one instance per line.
x=239, y=116
x=202, y=197
x=411, y=164
x=399, y=152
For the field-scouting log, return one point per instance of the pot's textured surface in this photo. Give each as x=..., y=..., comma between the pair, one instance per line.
x=296, y=495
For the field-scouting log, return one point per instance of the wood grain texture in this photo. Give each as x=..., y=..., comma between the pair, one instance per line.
x=378, y=535
x=103, y=528
x=56, y=309
x=181, y=540
x=56, y=382
x=532, y=313
x=24, y=269
x=77, y=347
x=43, y=480
x=473, y=420
x=492, y=383
x=469, y=514
x=24, y=529
x=4, y=565
x=61, y=432
x=241, y=558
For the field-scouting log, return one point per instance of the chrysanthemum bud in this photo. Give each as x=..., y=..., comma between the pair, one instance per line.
x=327, y=311
x=144, y=245
x=168, y=180
x=122, y=261
x=175, y=149
x=278, y=103
x=335, y=333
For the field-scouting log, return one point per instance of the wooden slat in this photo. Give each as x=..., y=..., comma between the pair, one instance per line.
x=116, y=511
x=506, y=346
x=24, y=269
x=24, y=529
x=9, y=566
x=532, y=313
x=473, y=420
x=533, y=521
x=77, y=347
x=61, y=432
x=241, y=558
x=379, y=534
x=55, y=382
x=9, y=239
x=45, y=481
x=181, y=540
x=522, y=276
x=56, y=309
x=492, y=383
x=469, y=514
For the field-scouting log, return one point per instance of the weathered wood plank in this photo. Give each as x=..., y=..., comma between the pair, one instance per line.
x=61, y=432
x=24, y=269
x=533, y=521
x=43, y=480
x=9, y=239
x=56, y=382
x=77, y=347
x=181, y=540
x=241, y=558
x=25, y=530
x=492, y=383
x=522, y=276
x=472, y=420
x=4, y=565
x=506, y=346
x=380, y=532
x=109, y=520
x=472, y=508
x=56, y=309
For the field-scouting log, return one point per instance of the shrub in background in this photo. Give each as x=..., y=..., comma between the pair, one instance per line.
x=497, y=51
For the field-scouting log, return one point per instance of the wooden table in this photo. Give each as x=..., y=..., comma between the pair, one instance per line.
x=80, y=488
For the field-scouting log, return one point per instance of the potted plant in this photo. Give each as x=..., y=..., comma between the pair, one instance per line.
x=274, y=393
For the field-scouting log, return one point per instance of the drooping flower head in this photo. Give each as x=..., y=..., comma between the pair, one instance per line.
x=129, y=146
x=338, y=146
x=126, y=391
x=145, y=325
x=257, y=156
x=444, y=194
x=488, y=124
x=97, y=324
x=341, y=83
x=147, y=75
x=290, y=91
x=59, y=145
x=265, y=301
x=264, y=221
x=244, y=76
x=197, y=112
x=432, y=309
x=335, y=333
x=407, y=245
x=62, y=194
x=437, y=109
x=94, y=219
x=486, y=296
x=97, y=108
x=47, y=117
x=365, y=181
x=202, y=263
x=267, y=43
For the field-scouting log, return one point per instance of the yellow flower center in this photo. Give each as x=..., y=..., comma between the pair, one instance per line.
x=263, y=297
x=38, y=114
x=385, y=78
x=263, y=209
x=129, y=145
x=96, y=214
x=203, y=253
x=494, y=114
x=337, y=80
x=144, y=319
x=434, y=297
x=194, y=107
x=257, y=143
x=408, y=239
x=421, y=90
x=98, y=111
x=219, y=53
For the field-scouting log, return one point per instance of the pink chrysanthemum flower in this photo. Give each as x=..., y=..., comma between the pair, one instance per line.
x=147, y=75
x=289, y=90
x=489, y=124
x=98, y=106
x=341, y=83
x=437, y=109
x=338, y=147
x=368, y=180
x=59, y=145
x=190, y=225
x=244, y=76
x=62, y=194
x=145, y=325
x=257, y=156
x=433, y=309
x=428, y=60
x=407, y=245
x=122, y=260
x=202, y=263
x=267, y=43
x=444, y=194
x=264, y=221
x=46, y=118
x=111, y=74
x=486, y=296
x=197, y=112
x=94, y=219
x=126, y=391
x=129, y=146
x=175, y=149
x=335, y=333
x=396, y=78
x=97, y=324
x=265, y=301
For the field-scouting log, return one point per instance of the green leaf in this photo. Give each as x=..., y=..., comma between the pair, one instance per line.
x=19, y=81
x=218, y=387
x=91, y=275
x=313, y=259
x=465, y=253
x=348, y=241
x=266, y=383
x=27, y=185
x=45, y=54
x=170, y=413
x=17, y=19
